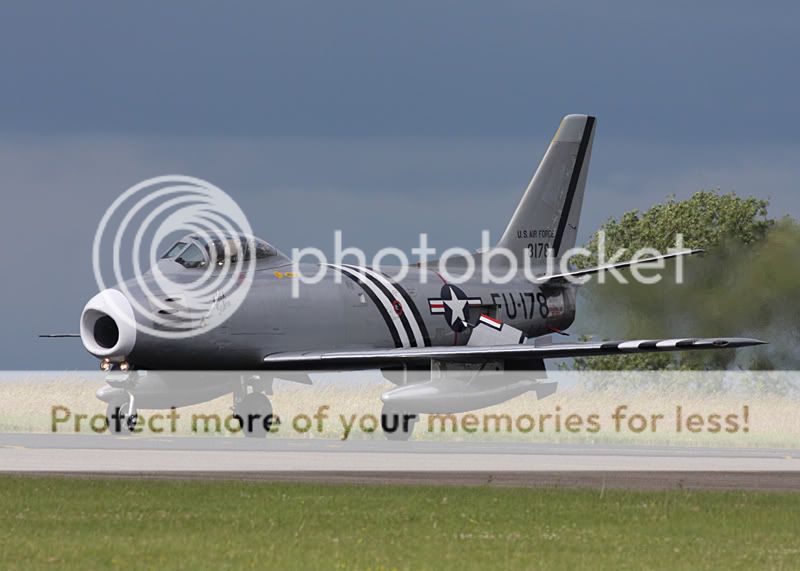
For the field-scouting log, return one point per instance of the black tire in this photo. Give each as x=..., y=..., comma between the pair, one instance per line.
x=126, y=423
x=397, y=426
x=255, y=415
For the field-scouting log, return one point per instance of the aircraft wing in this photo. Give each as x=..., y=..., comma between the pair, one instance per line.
x=373, y=358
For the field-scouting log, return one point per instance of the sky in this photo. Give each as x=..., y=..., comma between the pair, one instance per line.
x=380, y=119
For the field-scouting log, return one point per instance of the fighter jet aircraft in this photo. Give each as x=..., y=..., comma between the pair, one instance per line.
x=360, y=318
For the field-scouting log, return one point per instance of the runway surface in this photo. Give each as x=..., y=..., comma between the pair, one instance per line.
x=361, y=462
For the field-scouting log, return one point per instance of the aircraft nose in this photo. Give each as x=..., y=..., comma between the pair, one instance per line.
x=108, y=325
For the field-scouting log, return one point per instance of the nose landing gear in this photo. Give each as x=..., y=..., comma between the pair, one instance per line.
x=122, y=416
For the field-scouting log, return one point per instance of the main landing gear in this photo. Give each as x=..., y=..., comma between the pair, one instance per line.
x=397, y=426
x=254, y=413
x=252, y=408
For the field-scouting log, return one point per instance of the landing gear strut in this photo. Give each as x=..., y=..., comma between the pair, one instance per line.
x=397, y=426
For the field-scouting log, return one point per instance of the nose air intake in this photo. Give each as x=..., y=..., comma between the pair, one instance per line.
x=106, y=332
x=108, y=325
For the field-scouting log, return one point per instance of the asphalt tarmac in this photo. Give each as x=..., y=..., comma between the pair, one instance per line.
x=382, y=462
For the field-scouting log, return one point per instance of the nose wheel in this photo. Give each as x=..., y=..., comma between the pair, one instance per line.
x=122, y=417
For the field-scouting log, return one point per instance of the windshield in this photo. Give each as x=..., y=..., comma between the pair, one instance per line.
x=175, y=250
x=192, y=257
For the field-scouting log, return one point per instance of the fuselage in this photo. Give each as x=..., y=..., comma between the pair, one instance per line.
x=353, y=308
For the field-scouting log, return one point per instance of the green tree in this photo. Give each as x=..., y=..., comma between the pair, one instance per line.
x=745, y=285
x=706, y=220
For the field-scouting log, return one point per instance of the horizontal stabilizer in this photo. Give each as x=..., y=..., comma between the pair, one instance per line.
x=575, y=276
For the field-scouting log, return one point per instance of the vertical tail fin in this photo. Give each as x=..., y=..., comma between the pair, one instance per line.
x=549, y=212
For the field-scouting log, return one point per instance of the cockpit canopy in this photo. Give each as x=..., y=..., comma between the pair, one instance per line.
x=195, y=251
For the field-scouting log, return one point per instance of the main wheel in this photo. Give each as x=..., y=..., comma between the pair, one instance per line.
x=254, y=414
x=120, y=419
x=397, y=426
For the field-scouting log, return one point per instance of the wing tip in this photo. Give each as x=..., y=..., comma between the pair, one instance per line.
x=735, y=342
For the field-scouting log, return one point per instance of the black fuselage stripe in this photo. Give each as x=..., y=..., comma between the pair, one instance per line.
x=414, y=311
x=384, y=313
x=403, y=318
x=573, y=184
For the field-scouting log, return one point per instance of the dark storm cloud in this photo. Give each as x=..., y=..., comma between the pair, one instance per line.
x=702, y=71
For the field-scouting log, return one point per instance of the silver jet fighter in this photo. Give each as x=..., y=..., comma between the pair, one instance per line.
x=361, y=318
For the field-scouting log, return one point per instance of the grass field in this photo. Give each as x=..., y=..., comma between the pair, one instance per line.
x=54, y=523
